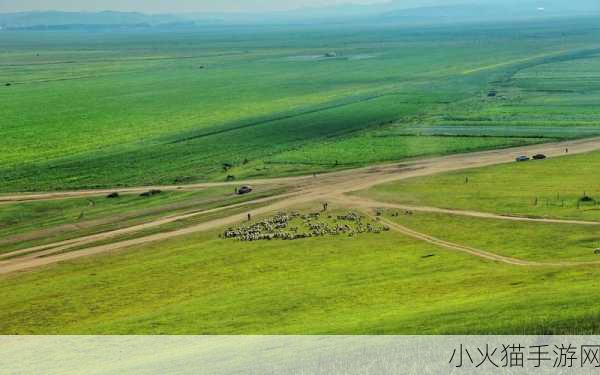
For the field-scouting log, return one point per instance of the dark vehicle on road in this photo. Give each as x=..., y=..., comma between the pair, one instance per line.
x=523, y=158
x=245, y=190
x=539, y=157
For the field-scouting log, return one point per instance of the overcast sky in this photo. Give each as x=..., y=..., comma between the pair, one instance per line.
x=177, y=6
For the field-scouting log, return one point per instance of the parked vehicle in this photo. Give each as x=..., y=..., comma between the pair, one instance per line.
x=245, y=190
x=523, y=158
x=539, y=157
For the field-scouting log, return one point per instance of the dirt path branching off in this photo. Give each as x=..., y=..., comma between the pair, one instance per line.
x=361, y=202
x=478, y=252
x=307, y=189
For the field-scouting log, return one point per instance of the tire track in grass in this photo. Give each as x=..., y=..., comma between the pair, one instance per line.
x=369, y=203
x=483, y=254
x=39, y=259
x=52, y=248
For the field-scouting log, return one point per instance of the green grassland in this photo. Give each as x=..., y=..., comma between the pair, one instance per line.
x=538, y=99
x=120, y=109
x=549, y=188
x=369, y=284
x=380, y=147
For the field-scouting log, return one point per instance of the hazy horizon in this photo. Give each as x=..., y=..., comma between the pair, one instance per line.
x=190, y=6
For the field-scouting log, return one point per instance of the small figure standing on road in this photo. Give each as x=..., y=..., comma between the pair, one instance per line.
x=567, y=150
x=325, y=206
x=249, y=217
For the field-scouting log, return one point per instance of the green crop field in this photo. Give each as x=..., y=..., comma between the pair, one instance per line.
x=87, y=110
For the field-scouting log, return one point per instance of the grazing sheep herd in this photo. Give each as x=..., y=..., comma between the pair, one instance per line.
x=295, y=226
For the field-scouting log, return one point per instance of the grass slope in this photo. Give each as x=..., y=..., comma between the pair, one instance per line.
x=523, y=240
x=371, y=284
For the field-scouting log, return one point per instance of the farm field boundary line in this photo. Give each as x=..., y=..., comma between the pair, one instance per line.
x=325, y=107
x=547, y=58
x=134, y=59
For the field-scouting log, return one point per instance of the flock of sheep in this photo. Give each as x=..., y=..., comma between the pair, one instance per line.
x=294, y=226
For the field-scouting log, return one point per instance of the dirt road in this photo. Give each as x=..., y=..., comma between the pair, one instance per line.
x=326, y=187
x=56, y=247
x=478, y=252
x=377, y=174
x=365, y=203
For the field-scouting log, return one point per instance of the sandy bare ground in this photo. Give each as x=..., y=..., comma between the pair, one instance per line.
x=327, y=187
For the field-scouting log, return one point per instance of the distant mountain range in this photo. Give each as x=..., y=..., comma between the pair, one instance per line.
x=394, y=13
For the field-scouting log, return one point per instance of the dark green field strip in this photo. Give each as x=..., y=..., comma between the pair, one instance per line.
x=465, y=128
x=202, y=158
x=368, y=149
x=578, y=54
x=298, y=113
